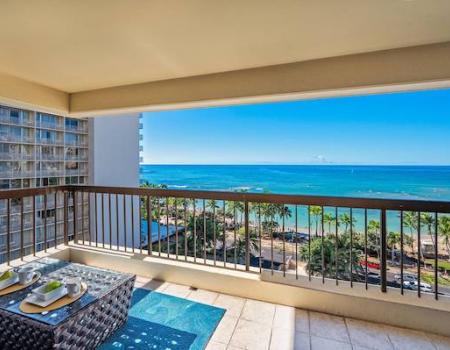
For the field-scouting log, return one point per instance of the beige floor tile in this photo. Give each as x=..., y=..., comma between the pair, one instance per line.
x=225, y=329
x=233, y=348
x=441, y=343
x=251, y=336
x=203, y=296
x=301, y=321
x=233, y=305
x=177, y=290
x=216, y=346
x=318, y=343
x=302, y=341
x=328, y=326
x=284, y=317
x=282, y=339
x=409, y=339
x=368, y=335
x=258, y=311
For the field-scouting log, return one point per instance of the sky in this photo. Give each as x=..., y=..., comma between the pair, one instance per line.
x=397, y=128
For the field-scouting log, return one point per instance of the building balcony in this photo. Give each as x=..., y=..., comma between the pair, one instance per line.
x=49, y=125
x=6, y=119
x=280, y=281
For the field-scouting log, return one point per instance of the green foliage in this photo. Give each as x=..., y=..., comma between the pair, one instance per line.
x=333, y=255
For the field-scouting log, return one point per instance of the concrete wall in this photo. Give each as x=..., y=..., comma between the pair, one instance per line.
x=344, y=302
x=114, y=161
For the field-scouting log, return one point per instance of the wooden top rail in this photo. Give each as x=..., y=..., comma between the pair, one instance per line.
x=326, y=201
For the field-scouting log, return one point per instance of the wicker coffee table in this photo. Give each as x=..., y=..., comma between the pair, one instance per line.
x=84, y=324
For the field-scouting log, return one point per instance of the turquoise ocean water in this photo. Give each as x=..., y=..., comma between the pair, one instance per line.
x=393, y=182
x=404, y=182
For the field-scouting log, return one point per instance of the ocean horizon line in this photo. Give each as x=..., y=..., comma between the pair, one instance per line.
x=298, y=164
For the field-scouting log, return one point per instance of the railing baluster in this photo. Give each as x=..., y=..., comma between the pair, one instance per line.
x=149, y=226
x=186, y=224
x=224, y=247
x=66, y=219
x=284, y=241
x=117, y=222
x=401, y=252
x=296, y=242
x=159, y=226
x=214, y=232
x=140, y=224
x=8, y=231
x=176, y=228
x=271, y=246
x=383, y=251
x=260, y=237
x=45, y=222
x=82, y=216
x=195, y=232
x=167, y=227
x=21, y=228
x=322, y=248
x=95, y=219
x=365, y=248
x=204, y=232
x=247, y=236
x=124, y=201
x=34, y=225
x=309, y=243
x=419, y=252
x=436, y=252
x=234, y=235
x=110, y=221
x=89, y=218
x=132, y=222
x=103, y=219
x=75, y=212
x=336, y=243
x=351, y=247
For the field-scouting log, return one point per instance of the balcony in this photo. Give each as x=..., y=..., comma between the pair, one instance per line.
x=278, y=283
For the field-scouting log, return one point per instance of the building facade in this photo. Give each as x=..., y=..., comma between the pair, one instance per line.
x=38, y=150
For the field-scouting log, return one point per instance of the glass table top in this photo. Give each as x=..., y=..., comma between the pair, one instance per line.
x=99, y=281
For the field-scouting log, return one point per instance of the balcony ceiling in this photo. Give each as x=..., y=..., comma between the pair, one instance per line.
x=76, y=46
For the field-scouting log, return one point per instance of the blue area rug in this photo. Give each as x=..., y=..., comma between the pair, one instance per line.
x=163, y=322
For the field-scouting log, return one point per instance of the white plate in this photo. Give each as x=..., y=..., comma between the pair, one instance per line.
x=10, y=281
x=34, y=299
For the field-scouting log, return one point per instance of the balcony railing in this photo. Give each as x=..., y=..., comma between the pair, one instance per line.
x=373, y=243
x=16, y=121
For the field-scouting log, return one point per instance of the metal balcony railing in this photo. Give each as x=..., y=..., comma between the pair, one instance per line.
x=393, y=244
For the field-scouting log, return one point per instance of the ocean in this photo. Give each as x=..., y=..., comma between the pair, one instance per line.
x=399, y=182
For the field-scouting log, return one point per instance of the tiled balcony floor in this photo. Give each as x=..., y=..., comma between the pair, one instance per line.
x=251, y=324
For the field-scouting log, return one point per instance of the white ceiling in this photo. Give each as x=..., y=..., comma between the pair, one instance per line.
x=82, y=45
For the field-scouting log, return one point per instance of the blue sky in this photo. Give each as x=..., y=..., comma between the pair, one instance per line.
x=398, y=128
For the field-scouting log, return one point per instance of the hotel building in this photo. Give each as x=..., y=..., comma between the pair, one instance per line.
x=38, y=150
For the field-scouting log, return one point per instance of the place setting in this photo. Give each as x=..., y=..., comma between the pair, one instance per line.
x=53, y=295
x=13, y=280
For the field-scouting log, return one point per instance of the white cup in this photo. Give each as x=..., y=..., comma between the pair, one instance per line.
x=25, y=274
x=73, y=286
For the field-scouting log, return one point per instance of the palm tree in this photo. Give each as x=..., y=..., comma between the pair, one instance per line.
x=427, y=220
x=373, y=229
x=410, y=220
x=444, y=232
x=393, y=239
x=284, y=212
x=328, y=219
x=347, y=221
x=235, y=208
x=315, y=211
x=212, y=204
